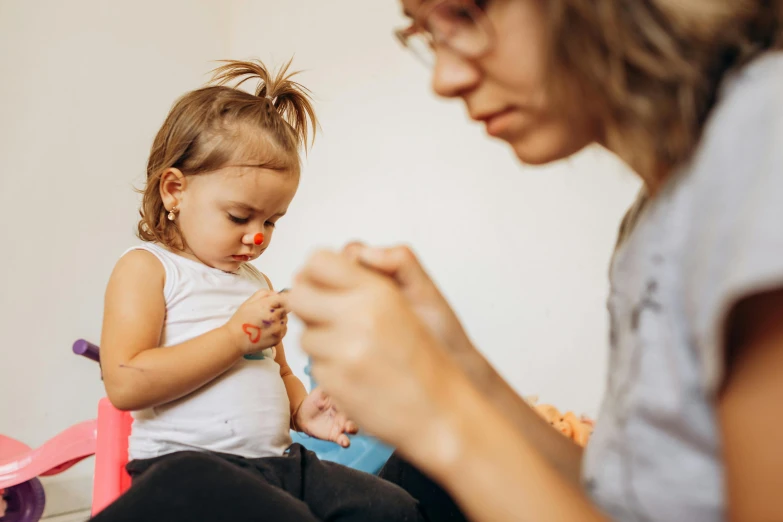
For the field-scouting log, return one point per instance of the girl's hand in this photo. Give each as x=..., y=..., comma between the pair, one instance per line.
x=318, y=417
x=371, y=352
x=261, y=322
x=401, y=264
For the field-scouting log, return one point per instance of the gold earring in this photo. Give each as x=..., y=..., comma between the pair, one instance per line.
x=173, y=214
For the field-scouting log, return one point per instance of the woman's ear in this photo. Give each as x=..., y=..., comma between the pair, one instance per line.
x=172, y=187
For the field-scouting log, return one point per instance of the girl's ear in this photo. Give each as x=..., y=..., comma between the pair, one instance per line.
x=172, y=187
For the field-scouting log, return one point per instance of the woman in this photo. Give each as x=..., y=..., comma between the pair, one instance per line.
x=690, y=96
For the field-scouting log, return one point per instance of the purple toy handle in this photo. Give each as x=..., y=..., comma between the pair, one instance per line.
x=87, y=349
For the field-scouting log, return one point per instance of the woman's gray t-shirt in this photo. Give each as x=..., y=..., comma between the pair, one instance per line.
x=711, y=237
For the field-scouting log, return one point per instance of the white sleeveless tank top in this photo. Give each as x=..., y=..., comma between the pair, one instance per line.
x=243, y=412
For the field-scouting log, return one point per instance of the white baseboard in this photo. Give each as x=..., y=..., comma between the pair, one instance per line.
x=81, y=516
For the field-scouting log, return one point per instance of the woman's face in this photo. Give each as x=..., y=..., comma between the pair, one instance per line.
x=506, y=88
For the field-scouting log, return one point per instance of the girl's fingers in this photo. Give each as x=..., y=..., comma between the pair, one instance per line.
x=351, y=427
x=343, y=440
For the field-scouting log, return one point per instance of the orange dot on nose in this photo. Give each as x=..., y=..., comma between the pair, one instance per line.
x=258, y=238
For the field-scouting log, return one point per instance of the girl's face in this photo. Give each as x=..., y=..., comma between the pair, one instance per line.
x=506, y=87
x=221, y=213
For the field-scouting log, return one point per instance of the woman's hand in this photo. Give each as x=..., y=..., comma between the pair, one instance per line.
x=259, y=323
x=371, y=352
x=401, y=264
x=318, y=417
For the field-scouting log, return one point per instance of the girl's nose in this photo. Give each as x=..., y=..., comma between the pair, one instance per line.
x=253, y=239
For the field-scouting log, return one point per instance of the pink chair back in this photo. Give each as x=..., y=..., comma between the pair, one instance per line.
x=111, y=455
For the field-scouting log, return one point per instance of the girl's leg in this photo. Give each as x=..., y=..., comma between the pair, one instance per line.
x=190, y=486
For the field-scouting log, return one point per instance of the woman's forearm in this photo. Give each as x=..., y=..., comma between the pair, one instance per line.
x=493, y=470
x=563, y=455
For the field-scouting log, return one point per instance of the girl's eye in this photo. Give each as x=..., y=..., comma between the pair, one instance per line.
x=238, y=220
x=270, y=224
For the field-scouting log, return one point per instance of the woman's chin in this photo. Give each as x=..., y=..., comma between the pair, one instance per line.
x=547, y=142
x=542, y=152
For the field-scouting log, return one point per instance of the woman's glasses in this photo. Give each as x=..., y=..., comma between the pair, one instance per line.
x=459, y=25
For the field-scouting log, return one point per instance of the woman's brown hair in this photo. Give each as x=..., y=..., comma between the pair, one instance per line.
x=650, y=70
x=207, y=128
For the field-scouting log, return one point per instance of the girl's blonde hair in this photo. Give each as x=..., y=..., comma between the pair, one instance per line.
x=207, y=128
x=650, y=70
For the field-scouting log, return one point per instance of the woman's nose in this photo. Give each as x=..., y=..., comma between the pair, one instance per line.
x=452, y=74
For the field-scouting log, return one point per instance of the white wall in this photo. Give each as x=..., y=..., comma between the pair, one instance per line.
x=522, y=253
x=85, y=85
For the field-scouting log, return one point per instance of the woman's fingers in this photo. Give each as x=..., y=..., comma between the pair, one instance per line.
x=329, y=270
x=398, y=262
x=353, y=249
x=314, y=305
x=330, y=287
x=314, y=341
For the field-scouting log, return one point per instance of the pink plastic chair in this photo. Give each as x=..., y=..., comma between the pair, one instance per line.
x=111, y=445
x=105, y=437
x=111, y=455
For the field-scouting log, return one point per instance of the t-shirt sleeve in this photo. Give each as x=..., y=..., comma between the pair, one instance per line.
x=735, y=245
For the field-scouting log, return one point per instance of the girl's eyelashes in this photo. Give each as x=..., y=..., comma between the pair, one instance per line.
x=270, y=224
x=238, y=220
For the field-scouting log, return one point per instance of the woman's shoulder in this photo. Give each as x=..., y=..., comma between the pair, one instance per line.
x=741, y=142
x=751, y=99
x=764, y=74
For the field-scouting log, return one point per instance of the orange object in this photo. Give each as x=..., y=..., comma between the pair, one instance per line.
x=258, y=238
x=575, y=428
